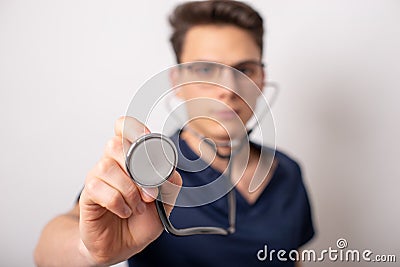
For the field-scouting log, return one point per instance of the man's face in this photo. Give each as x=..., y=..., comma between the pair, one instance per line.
x=222, y=109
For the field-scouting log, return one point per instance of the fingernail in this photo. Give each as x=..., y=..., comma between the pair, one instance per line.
x=150, y=191
x=141, y=208
x=127, y=211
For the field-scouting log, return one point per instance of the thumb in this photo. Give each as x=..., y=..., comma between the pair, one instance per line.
x=167, y=193
x=170, y=191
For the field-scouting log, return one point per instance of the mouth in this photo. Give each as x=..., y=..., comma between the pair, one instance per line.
x=226, y=114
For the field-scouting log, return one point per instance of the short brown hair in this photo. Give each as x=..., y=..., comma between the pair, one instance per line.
x=195, y=13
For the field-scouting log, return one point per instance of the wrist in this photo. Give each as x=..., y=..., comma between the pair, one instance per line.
x=86, y=256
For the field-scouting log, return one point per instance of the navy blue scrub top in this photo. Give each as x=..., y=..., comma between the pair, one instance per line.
x=279, y=219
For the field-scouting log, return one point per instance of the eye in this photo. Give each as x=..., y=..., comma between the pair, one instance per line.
x=204, y=69
x=246, y=70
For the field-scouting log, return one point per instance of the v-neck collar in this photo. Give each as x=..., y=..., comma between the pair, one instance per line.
x=188, y=160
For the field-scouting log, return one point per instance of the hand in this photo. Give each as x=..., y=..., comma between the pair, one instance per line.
x=117, y=218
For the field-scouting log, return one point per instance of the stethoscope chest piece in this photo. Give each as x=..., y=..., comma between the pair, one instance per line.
x=151, y=159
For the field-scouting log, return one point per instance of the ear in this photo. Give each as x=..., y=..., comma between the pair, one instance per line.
x=174, y=77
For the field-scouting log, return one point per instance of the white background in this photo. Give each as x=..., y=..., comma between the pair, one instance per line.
x=68, y=70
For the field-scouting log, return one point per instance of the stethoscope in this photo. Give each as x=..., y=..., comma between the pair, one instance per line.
x=152, y=159
x=155, y=155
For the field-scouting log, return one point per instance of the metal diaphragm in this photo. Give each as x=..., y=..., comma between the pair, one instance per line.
x=151, y=159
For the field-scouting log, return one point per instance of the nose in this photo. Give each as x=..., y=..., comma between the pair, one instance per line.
x=229, y=84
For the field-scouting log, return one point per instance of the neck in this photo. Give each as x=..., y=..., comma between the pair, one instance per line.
x=205, y=146
x=216, y=153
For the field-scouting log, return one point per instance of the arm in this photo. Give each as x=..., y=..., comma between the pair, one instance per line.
x=114, y=219
x=59, y=243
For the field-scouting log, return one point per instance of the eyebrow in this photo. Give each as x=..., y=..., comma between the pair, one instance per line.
x=232, y=65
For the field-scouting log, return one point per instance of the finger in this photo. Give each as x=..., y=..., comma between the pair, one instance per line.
x=130, y=128
x=148, y=194
x=109, y=171
x=116, y=148
x=113, y=150
x=102, y=194
x=170, y=191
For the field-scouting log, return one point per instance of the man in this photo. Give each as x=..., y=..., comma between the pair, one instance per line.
x=116, y=220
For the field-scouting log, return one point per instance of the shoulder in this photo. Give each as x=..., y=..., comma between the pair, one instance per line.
x=289, y=176
x=288, y=171
x=287, y=161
